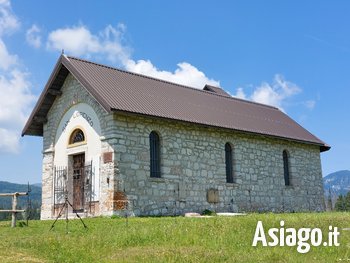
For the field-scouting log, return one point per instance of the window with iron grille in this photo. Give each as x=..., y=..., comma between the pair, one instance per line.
x=154, y=154
x=286, y=168
x=77, y=136
x=229, y=163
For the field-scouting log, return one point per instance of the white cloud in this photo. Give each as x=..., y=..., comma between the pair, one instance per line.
x=275, y=94
x=16, y=99
x=15, y=104
x=310, y=104
x=268, y=95
x=76, y=40
x=240, y=94
x=80, y=41
x=6, y=59
x=185, y=74
x=33, y=36
x=9, y=142
x=15, y=95
x=113, y=46
x=8, y=21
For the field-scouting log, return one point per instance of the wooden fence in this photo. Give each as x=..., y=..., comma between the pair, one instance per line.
x=14, y=210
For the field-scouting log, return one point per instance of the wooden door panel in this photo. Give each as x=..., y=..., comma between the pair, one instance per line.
x=78, y=182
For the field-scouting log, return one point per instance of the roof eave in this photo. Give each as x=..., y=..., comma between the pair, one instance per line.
x=63, y=61
x=42, y=97
x=325, y=148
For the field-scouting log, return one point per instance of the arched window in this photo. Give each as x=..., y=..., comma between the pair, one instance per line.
x=228, y=163
x=77, y=136
x=155, y=154
x=286, y=168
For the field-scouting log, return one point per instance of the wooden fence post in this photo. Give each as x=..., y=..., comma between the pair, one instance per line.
x=14, y=208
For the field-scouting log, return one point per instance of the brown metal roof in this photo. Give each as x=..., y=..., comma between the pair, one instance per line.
x=118, y=90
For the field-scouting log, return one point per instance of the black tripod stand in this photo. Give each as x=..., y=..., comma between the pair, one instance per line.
x=65, y=207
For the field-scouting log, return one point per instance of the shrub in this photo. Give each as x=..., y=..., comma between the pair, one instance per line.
x=208, y=212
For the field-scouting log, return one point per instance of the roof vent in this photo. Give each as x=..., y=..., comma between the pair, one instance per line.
x=216, y=90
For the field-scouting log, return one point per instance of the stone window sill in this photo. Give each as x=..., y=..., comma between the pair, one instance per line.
x=156, y=180
x=231, y=185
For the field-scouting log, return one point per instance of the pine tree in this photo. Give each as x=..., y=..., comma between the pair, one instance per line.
x=339, y=203
x=347, y=202
x=329, y=201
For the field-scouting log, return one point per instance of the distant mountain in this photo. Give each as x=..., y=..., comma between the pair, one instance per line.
x=34, y=197
x=338, y=182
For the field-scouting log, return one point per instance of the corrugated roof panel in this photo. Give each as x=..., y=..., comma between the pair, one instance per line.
x=121, y=90
x=136, y=93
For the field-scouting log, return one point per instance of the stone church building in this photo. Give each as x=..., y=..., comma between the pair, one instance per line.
x=116, y=141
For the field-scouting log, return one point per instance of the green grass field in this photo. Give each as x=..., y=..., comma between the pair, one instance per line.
x=167, y=239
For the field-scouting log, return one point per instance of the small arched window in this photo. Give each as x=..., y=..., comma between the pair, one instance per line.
x=286, y=168
x=77, y=136
x=154, y=154
x=228, y=163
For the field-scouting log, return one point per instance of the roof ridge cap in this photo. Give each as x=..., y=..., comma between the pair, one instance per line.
x=173, y=83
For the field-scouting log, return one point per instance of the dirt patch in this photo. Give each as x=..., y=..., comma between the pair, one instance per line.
x=9, y=256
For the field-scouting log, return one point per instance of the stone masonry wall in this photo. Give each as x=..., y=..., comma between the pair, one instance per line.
x=193, y=161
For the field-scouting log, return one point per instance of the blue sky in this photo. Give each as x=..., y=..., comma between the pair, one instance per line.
x=291, y=54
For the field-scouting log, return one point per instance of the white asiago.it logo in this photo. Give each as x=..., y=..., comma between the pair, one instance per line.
x=295, y=237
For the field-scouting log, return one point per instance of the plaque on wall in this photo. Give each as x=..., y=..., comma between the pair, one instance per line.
x=107, y=157
x=213, y=196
